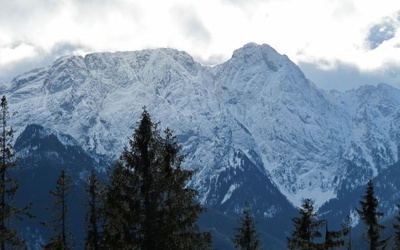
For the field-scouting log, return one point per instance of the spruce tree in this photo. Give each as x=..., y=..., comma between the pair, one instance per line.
x=179, y=208
x=148, y=204
x=369, y=215
x=94, y=216
x=121, y=209
x=8, y=186
x=61, y=240
x=247, y=237
x=396, y=226
x=333, y=239
x=306, y=228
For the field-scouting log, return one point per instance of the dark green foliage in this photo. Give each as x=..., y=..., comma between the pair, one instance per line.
x=147, y=203
x=369, y=215
x=247, y=237
x=178, y=207
x=94, y=216
x=396, y=238
x=306, y=228
x=62, y=237
x=120, y=210
x=8, y=186
x=333, y=239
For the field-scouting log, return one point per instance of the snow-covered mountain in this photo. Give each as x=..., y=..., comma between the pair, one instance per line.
x=257, y=110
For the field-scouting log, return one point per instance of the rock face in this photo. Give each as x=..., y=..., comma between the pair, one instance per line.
x=254, y=127
x=256, y=107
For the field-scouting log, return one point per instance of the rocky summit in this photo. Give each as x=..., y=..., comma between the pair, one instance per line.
x=254, y=127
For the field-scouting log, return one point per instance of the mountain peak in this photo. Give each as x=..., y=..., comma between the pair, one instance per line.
x=254, y=54
x=252, y=47
x=257, y=104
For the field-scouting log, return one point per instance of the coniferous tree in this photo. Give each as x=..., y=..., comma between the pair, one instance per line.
x=8, y=186
x=306, y=228
x=179, y=208
x=369, y=215
x=59, y=223
x=148, y=204
x=121, y=209
x=333, y=239
x=247, y=237
x=396, y=226
x=94, y=216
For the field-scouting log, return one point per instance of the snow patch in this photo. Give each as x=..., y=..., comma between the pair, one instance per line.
x=257, y=102
x=229, y=193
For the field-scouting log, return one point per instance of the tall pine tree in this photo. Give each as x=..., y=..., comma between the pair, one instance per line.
x=61, y=240
x=247, y=237
x=94, y=217
x=8, y=186
x=121, y=229
x=306, y=228
x=369, y=215
x=178, y=207
x=148, y=204
x=333, y=239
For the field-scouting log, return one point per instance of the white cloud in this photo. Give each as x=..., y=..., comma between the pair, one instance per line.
x=345, y=40
x=16, y=53
x=325, y=33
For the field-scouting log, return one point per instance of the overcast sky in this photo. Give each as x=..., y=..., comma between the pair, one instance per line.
x=339, y=44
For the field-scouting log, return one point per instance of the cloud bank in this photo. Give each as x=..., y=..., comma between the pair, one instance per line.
x=327, y=39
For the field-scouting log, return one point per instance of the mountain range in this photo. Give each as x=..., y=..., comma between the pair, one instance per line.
x=254, y=127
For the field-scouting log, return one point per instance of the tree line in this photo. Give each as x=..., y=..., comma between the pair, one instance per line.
x=307, y=233
x=145, y=203
x=312, y=233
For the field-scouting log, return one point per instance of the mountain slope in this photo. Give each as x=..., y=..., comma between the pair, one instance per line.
x=258, y=105
x=297, y=130
x=42, y=154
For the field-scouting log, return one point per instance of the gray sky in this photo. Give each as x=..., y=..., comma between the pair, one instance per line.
x=339, y=44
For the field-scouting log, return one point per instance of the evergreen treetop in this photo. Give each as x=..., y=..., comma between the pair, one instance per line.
x=148, y=203
x=306, y=228
x=246, y=236
x=61, y=239
x=369, y=215
x=94, y=217
x=333, y=239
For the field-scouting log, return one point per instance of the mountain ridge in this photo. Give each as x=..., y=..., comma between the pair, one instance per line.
x=258, y=105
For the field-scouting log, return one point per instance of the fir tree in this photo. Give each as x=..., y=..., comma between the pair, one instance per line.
x=369, y=215
x=8, y=186
x=306, y=228
x=121, y=209
x=178, y=207
x=333, y=239
x=148, y=204
x=246, y=237
x=94, y=216
x=396, y=226
x=61, y=238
